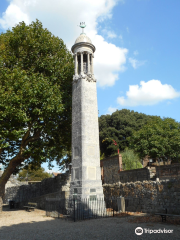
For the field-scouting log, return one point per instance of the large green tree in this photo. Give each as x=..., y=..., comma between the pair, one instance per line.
x=118, y=127
x=36, y=174
x=36, y=72
x=159, y=138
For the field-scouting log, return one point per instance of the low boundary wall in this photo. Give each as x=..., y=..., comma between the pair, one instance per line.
x=49, y=187
x=148, y=196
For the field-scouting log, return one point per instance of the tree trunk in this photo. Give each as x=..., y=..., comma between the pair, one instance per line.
x=15, y=162
x=2, y=191
x=6, y=175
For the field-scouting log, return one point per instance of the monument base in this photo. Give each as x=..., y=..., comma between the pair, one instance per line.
x=89, y=189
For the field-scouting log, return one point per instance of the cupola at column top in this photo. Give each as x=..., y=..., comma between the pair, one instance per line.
x=83, y=42
x=83, y=51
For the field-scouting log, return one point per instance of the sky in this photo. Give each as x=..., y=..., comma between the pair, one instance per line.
x=137, y=58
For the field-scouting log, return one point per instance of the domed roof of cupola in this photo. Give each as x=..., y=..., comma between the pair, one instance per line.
x=83, y=38
x=83, y=42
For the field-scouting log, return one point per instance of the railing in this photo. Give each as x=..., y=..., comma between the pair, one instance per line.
x=82, y=209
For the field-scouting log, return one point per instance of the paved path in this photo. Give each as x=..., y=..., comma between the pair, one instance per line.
x=36, y=226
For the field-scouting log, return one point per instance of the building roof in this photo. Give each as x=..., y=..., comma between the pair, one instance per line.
x=55, y=174
x=83, y=38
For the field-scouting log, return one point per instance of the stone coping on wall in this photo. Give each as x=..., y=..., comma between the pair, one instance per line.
x=137, y=169
x=140, y=182
x=109, y=158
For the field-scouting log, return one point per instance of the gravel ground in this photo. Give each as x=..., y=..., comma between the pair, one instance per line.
x=22, y=225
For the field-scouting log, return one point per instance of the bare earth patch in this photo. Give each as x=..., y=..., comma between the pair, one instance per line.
x=35, y=225
x=11, y=217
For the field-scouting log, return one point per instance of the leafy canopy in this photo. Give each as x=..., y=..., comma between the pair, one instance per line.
x=159, y=138
x=29, y=174
x=118, y=127
x=36, y=72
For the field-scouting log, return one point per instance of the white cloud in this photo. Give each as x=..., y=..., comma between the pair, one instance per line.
x=62, y=18
x=136, y=52
x=108, y=61
x=136, y=63
x=109, y=34
x=111, y=110
x=13, y=15
x=148, y=93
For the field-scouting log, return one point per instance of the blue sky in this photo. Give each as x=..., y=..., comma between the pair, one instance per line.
x=137, y=54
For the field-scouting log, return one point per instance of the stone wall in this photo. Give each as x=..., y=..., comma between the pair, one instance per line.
x=148, y=196
x=140, y=174
x=134, y=175
x=168, y=171
x=112, y=172
x=38, y=192
x=162, y=172
x=109, y=169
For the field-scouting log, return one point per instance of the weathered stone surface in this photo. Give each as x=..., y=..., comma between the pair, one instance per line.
x=110, y=172
x=148, y=196
x=168, y=171
x=38, y=192
x=110, y=168
x=85, y=173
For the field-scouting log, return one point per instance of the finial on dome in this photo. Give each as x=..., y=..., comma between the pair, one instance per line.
x=82, y=25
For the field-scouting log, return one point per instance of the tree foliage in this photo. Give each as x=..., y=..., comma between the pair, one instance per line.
x=118, y=127
x=36, y=72
x=29, y=174
x=159, y=138
x=130, y=160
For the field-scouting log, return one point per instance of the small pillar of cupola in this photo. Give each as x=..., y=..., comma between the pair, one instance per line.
x=83, y=51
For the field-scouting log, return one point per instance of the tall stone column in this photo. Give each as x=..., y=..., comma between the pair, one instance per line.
x=86, y=173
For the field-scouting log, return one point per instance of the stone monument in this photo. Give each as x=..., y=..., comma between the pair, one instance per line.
x=85, y=173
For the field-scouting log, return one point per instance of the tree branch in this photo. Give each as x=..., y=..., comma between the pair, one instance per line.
x=35, y=137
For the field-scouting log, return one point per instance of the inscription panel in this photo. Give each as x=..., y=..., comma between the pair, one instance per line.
x=92, y=173
x=76, y=174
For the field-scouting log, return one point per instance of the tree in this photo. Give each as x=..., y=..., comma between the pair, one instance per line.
x=36, y=71
x=130, y=160
x=118, y=127
x=159, y=138
x=30, y=174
